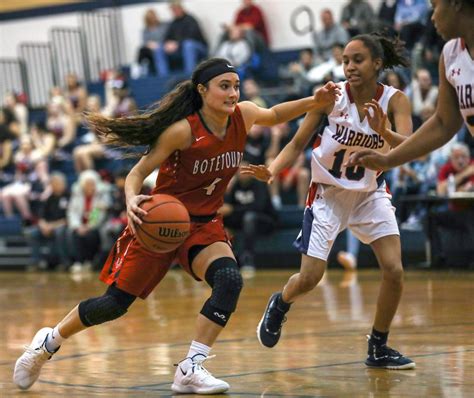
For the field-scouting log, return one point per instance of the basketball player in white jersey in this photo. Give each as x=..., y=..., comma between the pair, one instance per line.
x=454, y=21
x=349, y=197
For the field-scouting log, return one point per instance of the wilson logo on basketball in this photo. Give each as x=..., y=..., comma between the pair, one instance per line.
x=171, y=233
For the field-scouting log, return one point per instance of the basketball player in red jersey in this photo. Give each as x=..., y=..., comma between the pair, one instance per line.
x=196, y=136
x=454, y=21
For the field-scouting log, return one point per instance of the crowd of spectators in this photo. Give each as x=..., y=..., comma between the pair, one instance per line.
x=80, y=212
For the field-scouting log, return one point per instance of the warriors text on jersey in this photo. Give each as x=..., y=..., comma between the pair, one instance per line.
x=346, y=134
x=198, y=176
x=460, y=74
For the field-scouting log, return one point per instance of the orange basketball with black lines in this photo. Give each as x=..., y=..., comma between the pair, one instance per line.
x=166, y=225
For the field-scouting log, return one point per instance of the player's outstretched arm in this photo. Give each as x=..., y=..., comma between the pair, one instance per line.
x=437, y=131
x=323, y=97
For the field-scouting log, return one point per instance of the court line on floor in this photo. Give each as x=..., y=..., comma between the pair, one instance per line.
x=243, y=339
x=161, y=386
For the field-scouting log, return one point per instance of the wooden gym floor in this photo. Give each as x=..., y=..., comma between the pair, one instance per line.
x=320, y=354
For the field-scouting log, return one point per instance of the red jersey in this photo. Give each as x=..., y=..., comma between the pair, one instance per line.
x=199, y=175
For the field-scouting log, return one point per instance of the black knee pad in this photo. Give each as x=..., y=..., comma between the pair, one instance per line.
x=224, y=277
x=112, y=305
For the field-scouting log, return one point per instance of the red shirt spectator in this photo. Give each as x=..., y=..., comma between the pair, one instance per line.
x=251, y=16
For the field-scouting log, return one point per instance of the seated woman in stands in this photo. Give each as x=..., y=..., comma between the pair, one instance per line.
x=31, y=176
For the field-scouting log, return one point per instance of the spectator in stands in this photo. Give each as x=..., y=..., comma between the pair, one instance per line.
x=461, y=167
x=293, y=178
x=183, y=42
x=257, y=145
x=7, y=138
x=19, y=111
x=250, y=17
x=91, y=148
x=358, y=17
x=236, y=48
x=121, y=103
x=348, y=258
x=428, y=50
x=9, y=123
x=87, y=211
x=330, y=34
x=411, y=179
x=75, y=95
x=116, y=216
x=298, y=72
x=423, y=93
x=386, y=14
x=410, y=20
x=51, y=228
x=249, y=211
x=62, y=125
x=396, y=80
x=330, y=70
x=31, y=176
x=43, y=140
x=153, y=35
x=251, y=91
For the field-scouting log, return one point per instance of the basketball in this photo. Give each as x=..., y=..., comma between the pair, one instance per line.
x=165, y=226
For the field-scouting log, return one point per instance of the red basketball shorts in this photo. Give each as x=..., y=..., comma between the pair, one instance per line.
x=137, y=270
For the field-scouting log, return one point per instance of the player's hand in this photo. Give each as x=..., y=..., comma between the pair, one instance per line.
x=376, y=116
x=135, y=212
x=326, y=95
x=368, y=158
x=260, y=172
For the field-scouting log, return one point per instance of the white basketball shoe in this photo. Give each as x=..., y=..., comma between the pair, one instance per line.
x=196, y=379
x=28, y=366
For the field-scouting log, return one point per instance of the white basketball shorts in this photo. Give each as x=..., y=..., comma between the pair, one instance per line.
x=369, y=215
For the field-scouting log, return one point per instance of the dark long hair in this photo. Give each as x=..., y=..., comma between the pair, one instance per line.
x=390, y=49
x=145, y=128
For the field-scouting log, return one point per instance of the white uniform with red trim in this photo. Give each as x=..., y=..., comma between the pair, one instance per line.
x=341, y=197
x=346, y=134
x=460, y=74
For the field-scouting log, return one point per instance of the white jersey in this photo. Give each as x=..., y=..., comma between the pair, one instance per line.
x=346, y=134
x=460, y=73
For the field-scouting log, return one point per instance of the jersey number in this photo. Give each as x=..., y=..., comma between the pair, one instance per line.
x=210, y=188
x=354, y=173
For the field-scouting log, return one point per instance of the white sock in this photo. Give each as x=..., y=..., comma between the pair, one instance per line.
x=54, y=340
x=194, y=349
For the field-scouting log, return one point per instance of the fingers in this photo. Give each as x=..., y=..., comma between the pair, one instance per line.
x=132, y=227
x=136, y=207
x=357, y=158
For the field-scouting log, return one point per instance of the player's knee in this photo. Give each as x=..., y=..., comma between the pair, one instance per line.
x=224, y=277
x=112, y=305
x=308, y=282
x=393, y=272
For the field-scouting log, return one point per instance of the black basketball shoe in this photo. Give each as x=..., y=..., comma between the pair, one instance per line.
x=269, y=328
x=383, y=357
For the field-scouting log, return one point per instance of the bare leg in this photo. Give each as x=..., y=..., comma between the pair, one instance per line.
x=23, y=205
x=207, y=331
x=7, y=202
x=311, y=271
x=388, y=253
x=71, y=324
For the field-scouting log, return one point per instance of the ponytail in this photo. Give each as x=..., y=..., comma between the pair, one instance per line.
x=389, y=49
x=144, y=129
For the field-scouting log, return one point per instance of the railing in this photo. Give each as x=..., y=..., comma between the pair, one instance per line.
x=70, y=56
x=38, y=61
x=103, y=31
x=12, y=76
